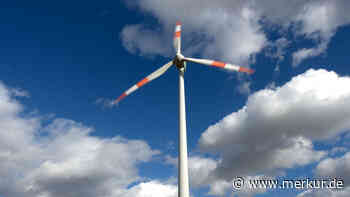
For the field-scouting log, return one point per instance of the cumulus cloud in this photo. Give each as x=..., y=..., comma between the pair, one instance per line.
x=235, y=30
x=205, y=32
x=330, y=168
x=201, y=173
x=264, y=135
x=61, y=158
x=200, y=169
x=151, y=189
x=219, y=187
x=335, y=167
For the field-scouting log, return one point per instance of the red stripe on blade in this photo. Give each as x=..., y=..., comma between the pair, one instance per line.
x=142, y=82
x=177, y=34
x=121, y=97
x=218, y=64
x=178, y=23
x=246, y=70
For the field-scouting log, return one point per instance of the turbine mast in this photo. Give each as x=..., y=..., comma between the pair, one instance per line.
x=183, y=185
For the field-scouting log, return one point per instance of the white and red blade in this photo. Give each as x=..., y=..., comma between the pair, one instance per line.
x=220, y=65
x=177, y=37
x=144, y=81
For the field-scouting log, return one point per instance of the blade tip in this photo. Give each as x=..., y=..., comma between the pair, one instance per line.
x=178, y=23
x=116, y=101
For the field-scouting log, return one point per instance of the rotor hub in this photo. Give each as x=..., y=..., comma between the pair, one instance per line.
x=179, y=62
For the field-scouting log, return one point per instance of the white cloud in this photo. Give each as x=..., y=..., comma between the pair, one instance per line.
x=265, y=134
x=61, y=158
x=201, y=173
x=235, y=30
x=325, y=193
x=200, y=169
x=219, y=187
x=304, y=53
x=320, y=20
x=151, y=189
x=277, y=122
x=335, y=168
x=138, y=39
x=206, y=32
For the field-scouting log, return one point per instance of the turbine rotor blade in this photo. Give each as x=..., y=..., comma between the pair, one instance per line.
x=144, y=81
x=177, y=37
x=220, y=65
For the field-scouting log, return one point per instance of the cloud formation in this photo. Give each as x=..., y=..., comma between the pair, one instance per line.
x=335, y=167
x=330, y=168
x=235, y=30
x=264, y=135
x=61, y=158
x=150, y=189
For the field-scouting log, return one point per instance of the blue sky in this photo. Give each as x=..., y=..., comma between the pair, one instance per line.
x=59, y=59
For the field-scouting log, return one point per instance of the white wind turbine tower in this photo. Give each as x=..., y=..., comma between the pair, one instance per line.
x=180, y=62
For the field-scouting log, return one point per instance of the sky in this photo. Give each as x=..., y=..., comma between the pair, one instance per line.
x=61, y=62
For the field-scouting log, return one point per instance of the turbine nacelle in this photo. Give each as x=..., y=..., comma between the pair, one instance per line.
x=179, y=62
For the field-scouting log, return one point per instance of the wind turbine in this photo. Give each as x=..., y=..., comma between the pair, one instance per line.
x=180, y=62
